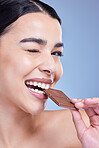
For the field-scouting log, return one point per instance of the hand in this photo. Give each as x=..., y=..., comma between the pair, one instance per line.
x=89, y=136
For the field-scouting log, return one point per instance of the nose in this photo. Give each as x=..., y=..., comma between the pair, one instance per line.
x=48, y=65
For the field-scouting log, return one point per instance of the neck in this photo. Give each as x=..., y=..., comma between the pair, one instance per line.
x=14, y=124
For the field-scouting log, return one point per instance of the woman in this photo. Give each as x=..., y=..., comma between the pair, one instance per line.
x=30, y=50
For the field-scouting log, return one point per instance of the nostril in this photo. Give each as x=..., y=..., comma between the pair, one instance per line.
x=47, y=71
x=48, y=66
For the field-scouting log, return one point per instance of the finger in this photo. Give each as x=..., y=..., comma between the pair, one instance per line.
x=86, y=103
x=91, y=102
x=80, y=104
x=90, y=112
x=76, y=100
x=79, y=123
x=97, y=109
x=93, y=117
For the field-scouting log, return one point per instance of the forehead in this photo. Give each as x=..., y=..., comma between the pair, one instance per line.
x=37, y=25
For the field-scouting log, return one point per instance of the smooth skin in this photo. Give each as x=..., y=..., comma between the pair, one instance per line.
x=23, y=121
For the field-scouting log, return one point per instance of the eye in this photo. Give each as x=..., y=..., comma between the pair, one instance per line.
x=33, y=50
x=57, y=53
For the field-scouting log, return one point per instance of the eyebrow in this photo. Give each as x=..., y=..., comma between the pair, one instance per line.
x=59, y=45
x=40, y=41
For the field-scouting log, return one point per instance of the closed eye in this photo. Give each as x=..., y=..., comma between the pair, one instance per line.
x=32, y=50
x=57, y=53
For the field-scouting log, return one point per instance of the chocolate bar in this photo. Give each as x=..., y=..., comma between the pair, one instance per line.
x=59, y=98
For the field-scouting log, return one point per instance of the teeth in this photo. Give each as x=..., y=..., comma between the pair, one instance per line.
x=43, y=85
x=36, y=90
x=47, y=86
x=35, y=84
x=27, y=83
x=32, y=89
x=41, y=92
x=31, y=83
x=39, y=84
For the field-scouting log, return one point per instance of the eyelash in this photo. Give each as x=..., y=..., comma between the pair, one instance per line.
x=56, y=53
x=34, y=50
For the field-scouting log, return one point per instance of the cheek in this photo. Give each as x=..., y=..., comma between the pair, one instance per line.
x=13, y=67
x=26, y=65
x=23, y=65
x=59, y=72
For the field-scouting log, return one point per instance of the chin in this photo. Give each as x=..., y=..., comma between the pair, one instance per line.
x=34, y=109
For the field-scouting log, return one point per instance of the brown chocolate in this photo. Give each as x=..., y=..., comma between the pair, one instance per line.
x=59, y=98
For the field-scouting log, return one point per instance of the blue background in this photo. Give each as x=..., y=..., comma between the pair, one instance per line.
x=80, y=24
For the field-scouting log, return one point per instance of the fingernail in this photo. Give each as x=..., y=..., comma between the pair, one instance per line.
x=87, y=98
x=79, y=103
x=74, y=99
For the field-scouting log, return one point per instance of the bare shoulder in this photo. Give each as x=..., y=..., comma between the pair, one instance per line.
x=59, y=125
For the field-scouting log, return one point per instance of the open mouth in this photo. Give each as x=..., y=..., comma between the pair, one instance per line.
x=37, y=87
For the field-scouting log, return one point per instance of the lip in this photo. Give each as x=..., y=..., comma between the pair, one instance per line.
x=42, y=80
x=39, y=96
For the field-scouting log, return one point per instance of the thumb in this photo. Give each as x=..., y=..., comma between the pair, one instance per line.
x=79, y=123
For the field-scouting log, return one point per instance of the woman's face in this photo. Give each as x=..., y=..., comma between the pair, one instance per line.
x=30, y=61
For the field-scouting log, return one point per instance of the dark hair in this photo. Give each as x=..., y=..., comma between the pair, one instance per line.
x=11, y=10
